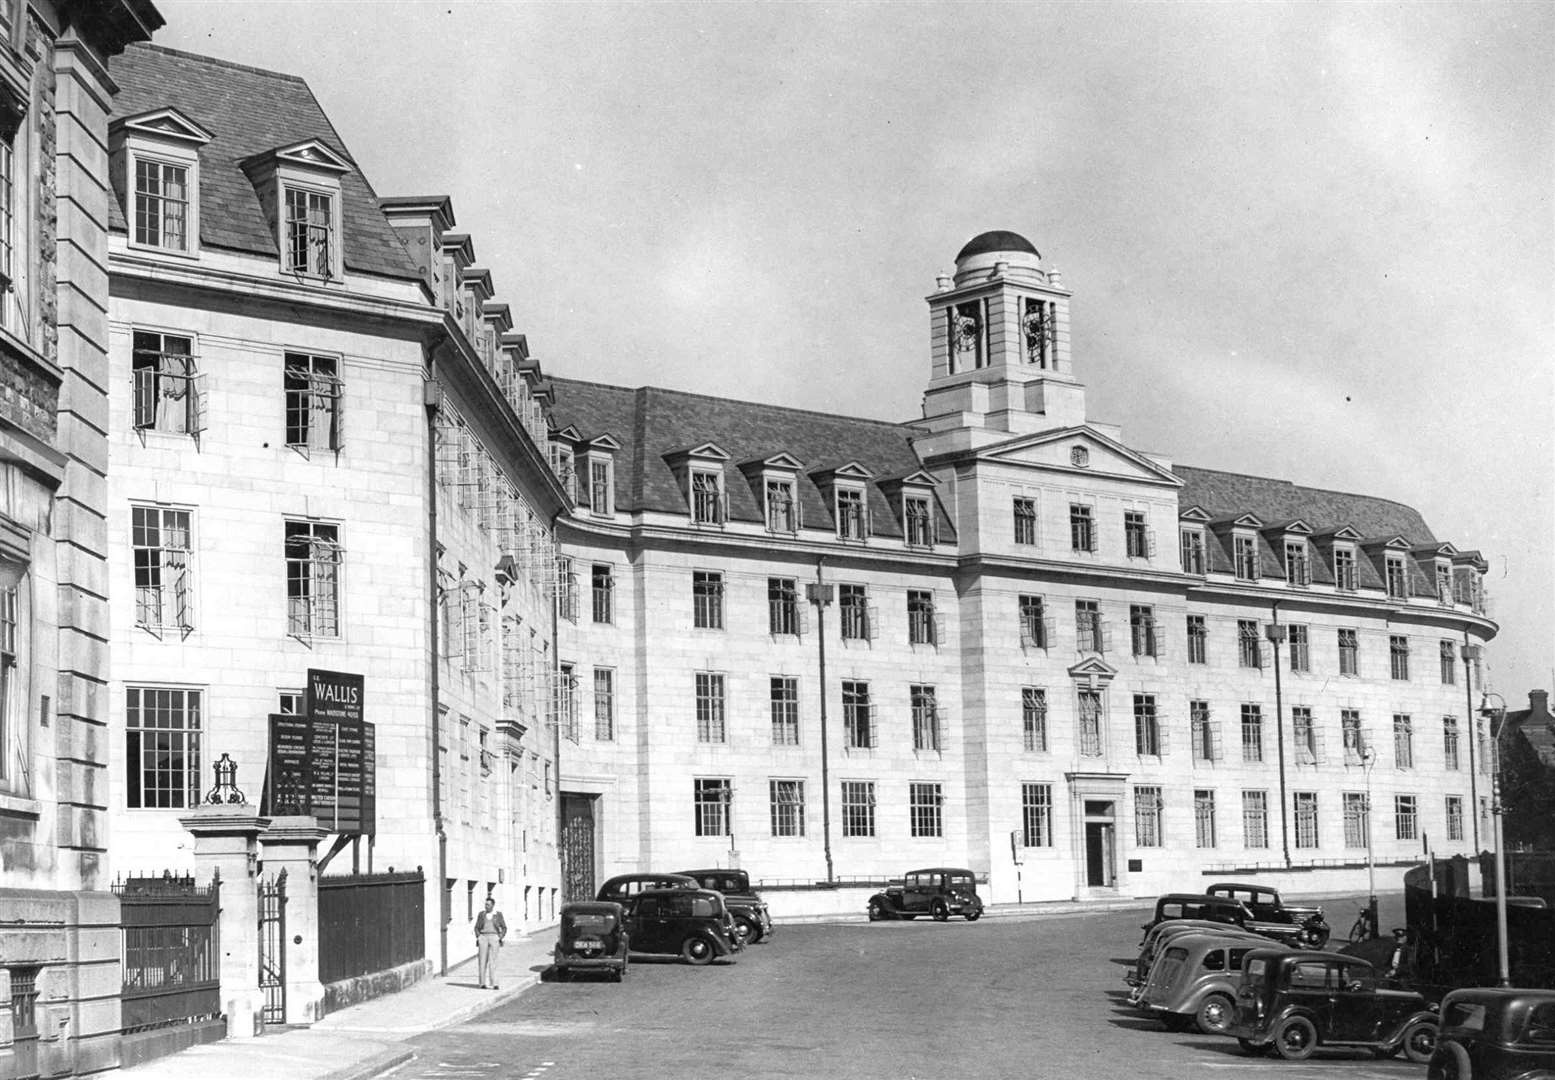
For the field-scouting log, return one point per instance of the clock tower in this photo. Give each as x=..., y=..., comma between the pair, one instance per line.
x=1000, y=362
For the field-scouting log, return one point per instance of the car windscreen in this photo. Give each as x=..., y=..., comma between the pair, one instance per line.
x=1464, y=1016
x=960, y=881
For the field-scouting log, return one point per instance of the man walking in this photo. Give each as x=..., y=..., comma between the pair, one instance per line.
x=490, y=929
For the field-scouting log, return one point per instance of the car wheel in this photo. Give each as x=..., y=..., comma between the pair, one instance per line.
x=940, y=911
x=697, y=950
x=1214, y=1014
x=1419, y=1041
x=1295, y=1039
x=876, y=911
x=1450, y=1061
x=973, y=916
x=746, y=931
x=1255, y=1049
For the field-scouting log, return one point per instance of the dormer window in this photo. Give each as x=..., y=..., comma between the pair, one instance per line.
x=561, y=465
x=1444, y=583
x=156, y=163
x=707, y=497
x=300, y=188
x=602, y=500
x=310, y=233
x=1344, y=569
x=781, y=506
x=1397, y=579
x=161, y=204
x=1193, y=561
x=1246, y=554
x=919, y=517
x=1297, y=570
x=852, y=514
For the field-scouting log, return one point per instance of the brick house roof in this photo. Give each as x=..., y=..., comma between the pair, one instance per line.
x=250, y=112
x=651, y=423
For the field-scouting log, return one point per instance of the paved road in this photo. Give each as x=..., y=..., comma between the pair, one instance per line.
x=1003, y=997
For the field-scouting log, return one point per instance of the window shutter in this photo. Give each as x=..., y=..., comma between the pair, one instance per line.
x=1162, y=729
x=937, y=629
x=1215, y=751
x=145, y=398
x=872, y=735
x=1028, y=634
x=195, y=405
x=871, y=623
x=801, y=619
x=1105, y=634
x=176, y=567
x=1150, y=543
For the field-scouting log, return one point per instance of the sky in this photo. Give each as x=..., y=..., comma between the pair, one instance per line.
x=1309, y=241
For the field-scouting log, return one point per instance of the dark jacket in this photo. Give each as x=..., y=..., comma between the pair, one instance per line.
x=498, y=925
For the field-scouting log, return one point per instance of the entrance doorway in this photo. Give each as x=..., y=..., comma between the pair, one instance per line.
x=578, y=848
x=1101, y=869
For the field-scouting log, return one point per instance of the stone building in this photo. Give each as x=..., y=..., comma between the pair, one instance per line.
x=58, y=921
x=326, y=452
x=829, y=649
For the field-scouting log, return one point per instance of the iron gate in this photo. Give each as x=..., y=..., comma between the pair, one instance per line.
x=272, y=948
x=577, y=848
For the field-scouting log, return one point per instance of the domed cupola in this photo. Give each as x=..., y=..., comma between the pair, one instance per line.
x=1000, y=342
x=1002, y=251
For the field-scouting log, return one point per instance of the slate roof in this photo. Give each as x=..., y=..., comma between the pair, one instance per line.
x=249, y=112
x=650, y=422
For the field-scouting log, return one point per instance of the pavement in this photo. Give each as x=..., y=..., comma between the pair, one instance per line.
x=372, y=1038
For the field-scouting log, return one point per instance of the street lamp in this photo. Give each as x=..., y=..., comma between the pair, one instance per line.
x=1368, y=761
x=1497, y=718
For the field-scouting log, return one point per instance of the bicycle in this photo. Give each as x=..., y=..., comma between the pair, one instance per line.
x=1362, y=929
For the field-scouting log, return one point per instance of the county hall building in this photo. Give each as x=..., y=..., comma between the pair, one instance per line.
x=829, y=649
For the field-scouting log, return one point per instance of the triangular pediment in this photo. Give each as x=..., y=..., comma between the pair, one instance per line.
x=1194, y=513
x=1295, y=527
x=783, y=462
x=1239, y=521
x=1343, y=532
x=1395, y=542
x=916, y=478
x=604, y=442
x=849, y=470
x=1442, y=548
x=1079, y=450
x=705, y=452
x=1092, y=672
x=569, y=433
x=313, y=154
x=166, y=123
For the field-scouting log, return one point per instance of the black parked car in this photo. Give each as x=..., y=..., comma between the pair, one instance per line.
x=1267, y=907
x=592, y=938
x=623, y=887
x=1294, y=1002
x=1489, y=1033
x=1229, y=910
x=690, y=923
x=752, y=921
x=940, y=892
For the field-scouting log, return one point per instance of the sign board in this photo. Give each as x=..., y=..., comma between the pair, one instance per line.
x=323, y=762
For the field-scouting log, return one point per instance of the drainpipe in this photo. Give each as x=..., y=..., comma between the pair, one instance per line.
x=820, y=595
x=1276, y=634
x=1470, y=654
x=432, y=398
x=556, y=728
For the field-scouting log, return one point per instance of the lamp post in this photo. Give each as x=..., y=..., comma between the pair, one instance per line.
x=1275, y=632
x=1368, y=761
x=819, y=593
x=1497, y=718
x=1470, y=654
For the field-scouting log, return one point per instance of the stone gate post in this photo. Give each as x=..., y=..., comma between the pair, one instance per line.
x=291, y=843
x=226, y=842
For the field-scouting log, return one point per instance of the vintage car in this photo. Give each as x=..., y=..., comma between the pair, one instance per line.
x=752, y=920
x=592, y=937
x=623, y=887
x=690, y=923
x=1221, y=909
x=1158, y=936
x=1489, y=1033
x=939, y=891
x=1193, y=982
x=1266, y=906
x=1293, y=1002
